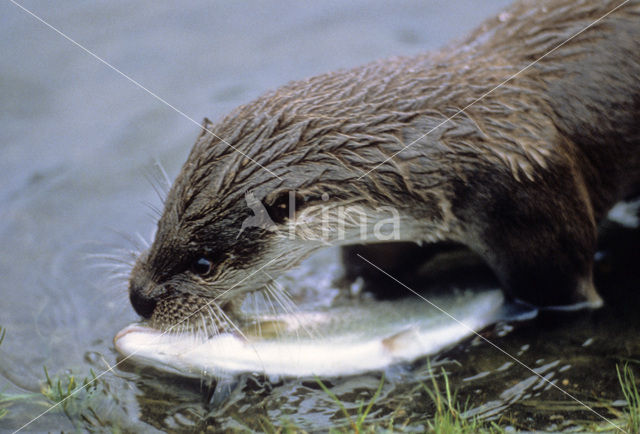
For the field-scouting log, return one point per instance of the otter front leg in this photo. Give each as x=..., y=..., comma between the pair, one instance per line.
x=539, y=237
x=550, y=274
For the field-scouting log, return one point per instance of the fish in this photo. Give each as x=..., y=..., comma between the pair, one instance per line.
x=350, y=339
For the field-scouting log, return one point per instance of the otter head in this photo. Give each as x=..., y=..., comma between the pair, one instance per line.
x=226, y=228
x=216, y=239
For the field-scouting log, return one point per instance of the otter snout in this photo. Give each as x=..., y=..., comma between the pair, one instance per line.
x=144, y=293
x=142, y=304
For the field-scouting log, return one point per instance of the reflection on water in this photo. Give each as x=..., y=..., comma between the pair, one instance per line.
x=77, y=140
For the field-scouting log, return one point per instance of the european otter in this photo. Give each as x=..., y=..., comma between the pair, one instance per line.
x=522, y=177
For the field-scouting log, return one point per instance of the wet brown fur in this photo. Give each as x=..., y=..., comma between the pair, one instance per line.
x=522, y=177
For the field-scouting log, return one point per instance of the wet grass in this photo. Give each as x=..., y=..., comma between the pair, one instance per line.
x=64, y=390
x=627, y=418
x=448, y=416
x=78, y=397
x=357, y=423
x=629, y=388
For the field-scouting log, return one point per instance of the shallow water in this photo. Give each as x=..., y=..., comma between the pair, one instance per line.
x=78, y=141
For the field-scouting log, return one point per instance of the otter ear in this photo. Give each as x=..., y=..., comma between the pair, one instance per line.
x=282, y=205
x=205, y=128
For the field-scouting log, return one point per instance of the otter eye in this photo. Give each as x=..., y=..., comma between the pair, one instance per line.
x=202, y=266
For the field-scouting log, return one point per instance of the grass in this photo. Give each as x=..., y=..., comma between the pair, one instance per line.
x=357, y=424
x=447, y=419
x=632, y=396
x=627, y=417
x=448, y=416
x=65, y=389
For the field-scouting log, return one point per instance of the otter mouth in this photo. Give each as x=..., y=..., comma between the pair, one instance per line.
x=316, y=320
x=191, y=313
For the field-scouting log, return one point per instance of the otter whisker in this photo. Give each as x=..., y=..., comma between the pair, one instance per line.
x=273, y=290
x=216, y=321
x=111, y=264
x=255, y=309
x=269, y=287
x=272, y=301
x=156, y=212
x=118, y=272
x=125, y=257
x=279, y=293
x=184, y=328
x=111, y=269
x=137, y=248
x=233, y=324
x=158, y=181
x=188, y=328
x=114, y=267
x=267, y=296
x=120, y=278
x=282, y=297
x=270, y=290
x=191, y=328
x=285, y=298
x=282, y=294
x=203, y=328
x=196, y=331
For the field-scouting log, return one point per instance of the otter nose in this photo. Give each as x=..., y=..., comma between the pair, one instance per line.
x=142, y=304
x=144, y=293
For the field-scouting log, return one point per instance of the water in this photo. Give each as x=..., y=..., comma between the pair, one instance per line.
x=78, y=141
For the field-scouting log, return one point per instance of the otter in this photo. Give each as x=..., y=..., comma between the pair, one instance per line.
x=514, y=141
